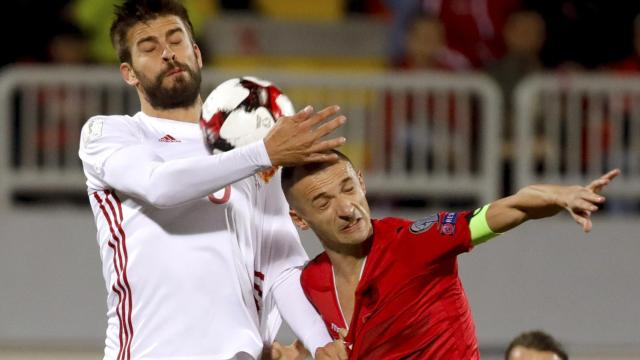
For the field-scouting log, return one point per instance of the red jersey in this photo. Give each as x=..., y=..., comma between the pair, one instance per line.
x=409, y=302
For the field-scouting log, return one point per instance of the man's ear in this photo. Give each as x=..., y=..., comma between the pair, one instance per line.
x=198, y=53
x=361, y=181
x=299, y=221
x=128, y=75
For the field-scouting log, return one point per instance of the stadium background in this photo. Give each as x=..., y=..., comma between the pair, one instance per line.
x=581, y=289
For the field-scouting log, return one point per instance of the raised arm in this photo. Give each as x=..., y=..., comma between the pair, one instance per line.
x=540, y=201
x=118, y=159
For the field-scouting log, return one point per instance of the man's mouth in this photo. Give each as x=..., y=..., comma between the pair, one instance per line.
x=174, y=71
x=352, y=225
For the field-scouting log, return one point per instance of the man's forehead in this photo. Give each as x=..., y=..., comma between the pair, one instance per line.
x=155, y=27
x=327, y=175
x=524, y=353
x=334, y=169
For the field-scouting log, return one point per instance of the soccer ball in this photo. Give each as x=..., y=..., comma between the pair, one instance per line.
x=241, y=111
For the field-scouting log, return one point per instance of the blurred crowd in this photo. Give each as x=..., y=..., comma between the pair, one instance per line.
x=503, y=37
x=507, y=39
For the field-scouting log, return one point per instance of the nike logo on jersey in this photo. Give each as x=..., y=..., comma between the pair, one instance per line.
x=168, y=139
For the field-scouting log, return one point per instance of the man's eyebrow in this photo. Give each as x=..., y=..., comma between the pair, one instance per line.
x=322, y=194
x=345, y=180
x=154, y=39
x=147, y=38
x=173, y=31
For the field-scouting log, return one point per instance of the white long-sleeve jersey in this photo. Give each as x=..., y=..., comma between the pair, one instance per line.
x=198, y=252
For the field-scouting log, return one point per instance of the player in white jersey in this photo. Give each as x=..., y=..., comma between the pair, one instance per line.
x=197, y=250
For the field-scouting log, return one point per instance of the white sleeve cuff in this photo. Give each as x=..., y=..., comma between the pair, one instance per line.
x=257, y=154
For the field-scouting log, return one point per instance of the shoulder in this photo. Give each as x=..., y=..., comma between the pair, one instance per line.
x=391, y=222
x=317, y=273
x=443, y=221
x=112, y=119
x=102, y=135
x=389, y=226
x=100, y=125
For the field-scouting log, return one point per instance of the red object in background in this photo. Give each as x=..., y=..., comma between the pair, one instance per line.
x=630, y=65
x=474, y=27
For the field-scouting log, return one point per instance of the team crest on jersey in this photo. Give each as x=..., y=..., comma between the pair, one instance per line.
x=422, y=225
x=93, y=130
x=448, y=223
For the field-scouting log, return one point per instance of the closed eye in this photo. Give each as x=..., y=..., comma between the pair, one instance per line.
x=175, y=40
x=322, y=205
x=148, y=48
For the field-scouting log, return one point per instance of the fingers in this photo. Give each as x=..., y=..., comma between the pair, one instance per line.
x=335, y=350
x=321, y=152
x=583, y=219
x=324, y=354
x=593, y=197
x=301, y=115
x=597, y=185
x=583, y=205
x=276, y=351
x=323, y=115
x=329, y=126
x=611, y=174
x=327, y=145
x=321, y=157
x=585, y=201
x=302, y=352
x=342, y=351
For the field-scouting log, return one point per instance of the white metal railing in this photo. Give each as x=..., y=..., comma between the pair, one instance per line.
x=571, y=129
x=426, y=134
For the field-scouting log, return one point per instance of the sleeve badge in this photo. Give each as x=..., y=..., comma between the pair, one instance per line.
x=422, y=225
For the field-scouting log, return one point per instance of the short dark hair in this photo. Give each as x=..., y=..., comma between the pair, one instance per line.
x=537, y=340
x=132, y=12
x=291, y=174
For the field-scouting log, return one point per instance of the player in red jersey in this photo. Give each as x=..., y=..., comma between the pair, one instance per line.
x=393, y=283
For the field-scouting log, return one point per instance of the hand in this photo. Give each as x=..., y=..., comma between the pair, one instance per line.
x=335, y=350
x=296, y=139
x=295, y=351
x=581, y=202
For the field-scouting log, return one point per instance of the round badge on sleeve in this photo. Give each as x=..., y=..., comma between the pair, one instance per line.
x=422, y=225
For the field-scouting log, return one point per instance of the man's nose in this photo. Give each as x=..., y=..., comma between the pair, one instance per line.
x=168, y=54
x=346, y=210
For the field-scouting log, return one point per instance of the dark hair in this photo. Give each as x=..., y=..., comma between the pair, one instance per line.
x=132, y=12
x=537, y=340
x=291, y=174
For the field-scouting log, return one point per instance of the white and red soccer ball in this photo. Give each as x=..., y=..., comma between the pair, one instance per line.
x=241, y=111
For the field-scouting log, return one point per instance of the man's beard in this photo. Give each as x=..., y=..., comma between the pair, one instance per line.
x=182, y=94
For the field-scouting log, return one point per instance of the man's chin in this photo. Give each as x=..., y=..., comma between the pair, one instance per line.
x=355, y=238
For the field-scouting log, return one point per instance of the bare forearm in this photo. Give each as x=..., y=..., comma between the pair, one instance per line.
x=540, y=201
x=531, y=202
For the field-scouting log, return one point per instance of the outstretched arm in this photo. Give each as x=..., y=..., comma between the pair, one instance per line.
x=540, y=201
x=115, y=156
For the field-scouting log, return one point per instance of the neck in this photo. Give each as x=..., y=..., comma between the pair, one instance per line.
x=189, y=114
x=347, y=263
